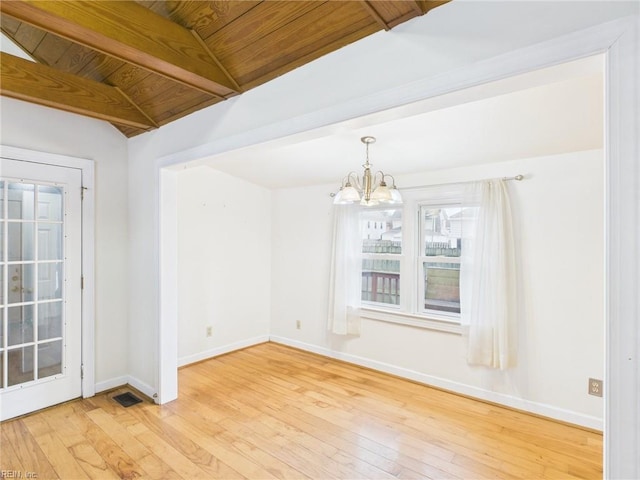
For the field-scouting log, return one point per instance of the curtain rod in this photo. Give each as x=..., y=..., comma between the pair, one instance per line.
x=517, y=178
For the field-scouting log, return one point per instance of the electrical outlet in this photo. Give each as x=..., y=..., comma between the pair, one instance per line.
x=298, y=323
x=595, y=387
x=209, y=331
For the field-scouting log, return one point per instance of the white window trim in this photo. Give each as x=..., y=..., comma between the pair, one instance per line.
x=425, y=321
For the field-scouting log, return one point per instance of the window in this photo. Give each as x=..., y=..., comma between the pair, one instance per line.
x=439, y=258
x=381, y=253
x=411, y=258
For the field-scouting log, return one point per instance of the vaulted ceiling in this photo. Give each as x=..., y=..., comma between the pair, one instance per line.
x=142, y=64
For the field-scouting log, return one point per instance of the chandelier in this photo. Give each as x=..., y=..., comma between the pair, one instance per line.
x=369, y=190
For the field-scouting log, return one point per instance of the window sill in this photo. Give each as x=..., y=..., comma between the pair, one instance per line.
x=419, y=321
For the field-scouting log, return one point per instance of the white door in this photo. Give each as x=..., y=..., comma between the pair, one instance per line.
x=40, y=275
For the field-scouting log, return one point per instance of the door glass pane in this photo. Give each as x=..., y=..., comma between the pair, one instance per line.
x=21, y=283
x=21, y=244
x=49, y=320
x=1, y=332
x=49, y=359
x=21, y=198
x=20, y=325
x=1, y=368
x=1, y=199
x=1, y=242
x=1, y=285
x=49, y=241
x=20, y=363
x=49, y=203
x=49, y=281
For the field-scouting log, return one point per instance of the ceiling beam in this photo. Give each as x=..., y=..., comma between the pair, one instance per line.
x=129, y=32
x=206, y=48
x=375, y=15
x=36, y=83
x=415, y=6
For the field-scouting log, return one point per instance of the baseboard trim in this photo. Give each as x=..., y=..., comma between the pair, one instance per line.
x=150, y=391
x=214, y=352
x=509, y=401
x=143, y=387
x=116, y=382
x=111, y=384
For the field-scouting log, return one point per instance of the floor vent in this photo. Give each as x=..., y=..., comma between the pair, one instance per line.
x=127, y=399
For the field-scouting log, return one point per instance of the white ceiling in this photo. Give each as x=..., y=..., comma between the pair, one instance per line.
x=549, y=111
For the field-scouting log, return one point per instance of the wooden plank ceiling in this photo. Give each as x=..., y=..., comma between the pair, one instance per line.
x=143, y=64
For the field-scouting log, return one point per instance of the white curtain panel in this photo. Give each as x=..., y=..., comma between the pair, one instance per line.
x=487, y=276
x=346, y=271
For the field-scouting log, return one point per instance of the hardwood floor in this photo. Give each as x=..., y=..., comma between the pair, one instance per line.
x=274, y=412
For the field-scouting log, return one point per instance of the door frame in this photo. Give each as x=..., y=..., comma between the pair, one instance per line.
x=86, y=168
x=619, y=41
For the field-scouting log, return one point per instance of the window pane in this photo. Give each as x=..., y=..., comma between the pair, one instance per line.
x=49, y=359
x=21, y=244
x=49, y=203
x=20, y=201
x=20, y=325
x=49, y=241
x=21, y=283
x=1, y=199
x=442, y=229
x=20, y=365
x=381, y=281
x=442, y=286
x=381, y=231
x=49, y=320
x=49, y=281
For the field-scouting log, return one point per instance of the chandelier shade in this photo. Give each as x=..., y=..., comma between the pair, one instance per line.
x=370, y=189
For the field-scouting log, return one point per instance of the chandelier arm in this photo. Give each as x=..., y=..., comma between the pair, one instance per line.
x=393, y=180
x=344, y=183
x=352, y=177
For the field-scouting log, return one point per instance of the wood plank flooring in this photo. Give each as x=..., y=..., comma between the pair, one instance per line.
x=271, y=412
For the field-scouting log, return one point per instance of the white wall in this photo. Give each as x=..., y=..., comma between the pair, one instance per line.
x=44, y=129
x=224, y=263
x=559, y=213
